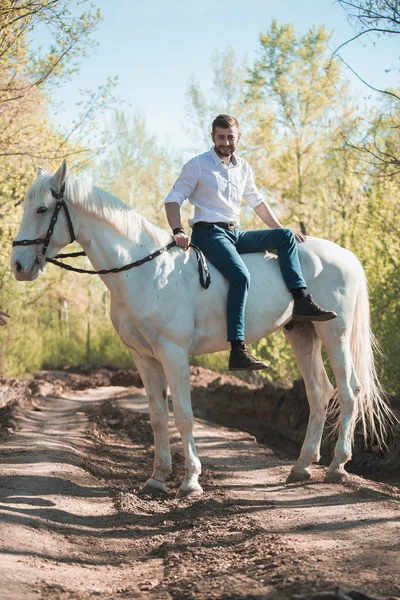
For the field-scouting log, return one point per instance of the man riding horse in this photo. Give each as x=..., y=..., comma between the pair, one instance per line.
x=214, y=182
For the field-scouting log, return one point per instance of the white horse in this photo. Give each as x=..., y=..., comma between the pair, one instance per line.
x=162, y=313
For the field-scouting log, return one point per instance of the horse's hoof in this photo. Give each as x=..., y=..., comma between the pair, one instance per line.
x=193, y=490
x=296, y=476
x=153, y=488
x=337, y=476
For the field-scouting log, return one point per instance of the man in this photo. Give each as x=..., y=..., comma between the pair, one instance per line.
x=2, y=319
x=215, y=182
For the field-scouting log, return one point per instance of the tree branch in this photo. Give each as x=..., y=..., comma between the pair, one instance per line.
x=335, y=52
x=365, y=82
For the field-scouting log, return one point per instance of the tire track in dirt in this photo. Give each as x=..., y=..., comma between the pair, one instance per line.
x=74, y=526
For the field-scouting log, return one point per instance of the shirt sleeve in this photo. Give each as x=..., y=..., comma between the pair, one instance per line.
x=185, y=184
x=251, y=194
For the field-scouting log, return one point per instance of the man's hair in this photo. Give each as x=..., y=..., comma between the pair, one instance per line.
x=224, y=121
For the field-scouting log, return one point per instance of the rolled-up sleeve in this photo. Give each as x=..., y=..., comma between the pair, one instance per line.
x=251, y=194
x=185, y=184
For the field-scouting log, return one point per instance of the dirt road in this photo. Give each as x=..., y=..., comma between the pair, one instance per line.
x=73, y=525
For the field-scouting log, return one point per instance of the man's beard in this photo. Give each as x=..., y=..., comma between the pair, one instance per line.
x=224, y=150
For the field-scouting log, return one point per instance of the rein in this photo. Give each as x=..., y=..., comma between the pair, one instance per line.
x=204, y=273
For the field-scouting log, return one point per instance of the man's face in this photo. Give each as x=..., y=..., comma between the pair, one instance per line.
x=225, y=140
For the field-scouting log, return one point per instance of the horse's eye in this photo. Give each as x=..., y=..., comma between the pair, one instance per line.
x=41, y=209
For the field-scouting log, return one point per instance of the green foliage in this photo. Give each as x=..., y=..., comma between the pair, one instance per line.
x=37, y=329
x=227, y=96
x=216, y=362
x=136, y=168
x=379, y=253
x=106, y=349
x=292, y=78
x=275, y=350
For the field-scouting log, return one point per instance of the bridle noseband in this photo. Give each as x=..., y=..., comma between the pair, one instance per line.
x=46, y=240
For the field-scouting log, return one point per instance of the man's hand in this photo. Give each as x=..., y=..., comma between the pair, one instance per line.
x=2, y=319
x=182, y=240
x=300, y=237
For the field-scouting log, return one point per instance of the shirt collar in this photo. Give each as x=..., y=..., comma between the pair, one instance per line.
x=218, y=160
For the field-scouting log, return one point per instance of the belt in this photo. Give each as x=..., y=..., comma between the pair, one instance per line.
x=228, y=226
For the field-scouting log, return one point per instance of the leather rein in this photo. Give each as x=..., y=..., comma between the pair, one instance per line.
x=204, y=273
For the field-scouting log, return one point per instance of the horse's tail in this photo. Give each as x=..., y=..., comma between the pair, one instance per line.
x=376, y=417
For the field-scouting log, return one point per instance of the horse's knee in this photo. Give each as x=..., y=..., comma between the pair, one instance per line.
x=158, y=424
x=158, y=419
x=184, y=423
x=319, y=392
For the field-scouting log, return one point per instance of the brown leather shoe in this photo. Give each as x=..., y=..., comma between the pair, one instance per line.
x=240, y=359
x=305, y=309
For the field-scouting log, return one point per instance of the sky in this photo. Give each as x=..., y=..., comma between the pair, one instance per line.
x=155, y=46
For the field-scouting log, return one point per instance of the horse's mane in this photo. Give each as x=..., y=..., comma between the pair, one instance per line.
x=105, y=206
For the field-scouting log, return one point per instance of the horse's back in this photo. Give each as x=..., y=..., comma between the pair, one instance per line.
x=325, y=265
x=201, y=314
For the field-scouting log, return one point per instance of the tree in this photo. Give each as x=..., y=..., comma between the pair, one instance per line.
x=136, y=168
x=378, y=142
x=27, y=138
x=372, y=17
x=290, y=78
x=30, y=75
x=227, y=96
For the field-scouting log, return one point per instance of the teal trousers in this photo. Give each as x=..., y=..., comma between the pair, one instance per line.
x=222, y=248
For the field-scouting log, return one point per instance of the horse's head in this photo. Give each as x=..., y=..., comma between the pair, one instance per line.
x=36, y=238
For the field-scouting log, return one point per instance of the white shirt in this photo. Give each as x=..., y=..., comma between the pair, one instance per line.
x=214, y=188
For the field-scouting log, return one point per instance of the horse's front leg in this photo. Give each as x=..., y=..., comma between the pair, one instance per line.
x=176, y=366
x=155, y=383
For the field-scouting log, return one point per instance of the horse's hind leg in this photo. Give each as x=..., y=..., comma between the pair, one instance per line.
x=155, y=383
x=307, y=349
x=337, y=344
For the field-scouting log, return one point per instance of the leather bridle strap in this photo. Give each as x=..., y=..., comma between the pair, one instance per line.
x=46, y=240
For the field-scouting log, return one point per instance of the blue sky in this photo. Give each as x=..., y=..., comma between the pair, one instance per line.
x=154, y=47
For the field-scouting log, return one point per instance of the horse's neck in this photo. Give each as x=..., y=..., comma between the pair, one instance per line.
x=114, y=235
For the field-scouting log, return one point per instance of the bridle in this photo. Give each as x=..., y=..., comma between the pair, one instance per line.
x=46, y=240
x=204, y=273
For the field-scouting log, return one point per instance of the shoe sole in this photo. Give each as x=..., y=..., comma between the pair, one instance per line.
x=320, y=318
x=255, y=368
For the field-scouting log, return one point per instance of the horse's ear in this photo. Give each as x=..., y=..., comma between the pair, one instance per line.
x=59, y=176
x=40, y=171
